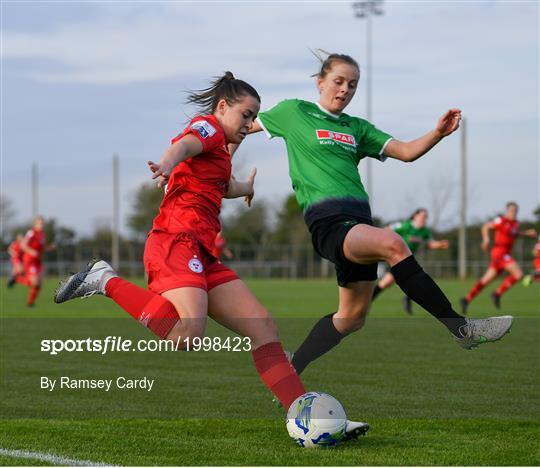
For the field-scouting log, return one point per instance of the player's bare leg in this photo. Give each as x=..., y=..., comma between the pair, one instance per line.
x=514, y=276
x=489, y=276
x=234, y=306
x=192, y=306
x=354, y=303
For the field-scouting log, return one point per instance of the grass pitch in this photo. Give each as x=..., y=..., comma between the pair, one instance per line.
x=428, y=401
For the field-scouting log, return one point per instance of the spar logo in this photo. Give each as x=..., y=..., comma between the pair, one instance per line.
x=344, y=138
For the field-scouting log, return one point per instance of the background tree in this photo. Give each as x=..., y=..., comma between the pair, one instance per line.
x=7, y=214
x=145, y=208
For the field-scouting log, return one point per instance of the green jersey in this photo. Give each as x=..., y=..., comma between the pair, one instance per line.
x=323, y=149
x=412, y=235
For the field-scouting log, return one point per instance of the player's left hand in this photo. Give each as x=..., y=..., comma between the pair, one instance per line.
x=251, y=190
x=449, y=122
x=159, y=171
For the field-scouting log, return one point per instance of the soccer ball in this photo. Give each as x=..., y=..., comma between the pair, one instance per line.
x=316, y=419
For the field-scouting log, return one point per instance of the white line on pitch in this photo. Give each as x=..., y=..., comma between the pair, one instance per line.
x=47, y=457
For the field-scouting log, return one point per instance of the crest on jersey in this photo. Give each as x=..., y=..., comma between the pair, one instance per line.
x=344, y=138
x=195, y=265
x=204, y=128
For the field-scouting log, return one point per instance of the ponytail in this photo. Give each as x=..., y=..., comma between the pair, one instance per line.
x=328, y=62
x=225, y=87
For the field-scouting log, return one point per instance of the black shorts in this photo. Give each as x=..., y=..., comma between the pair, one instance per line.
x=328, y=232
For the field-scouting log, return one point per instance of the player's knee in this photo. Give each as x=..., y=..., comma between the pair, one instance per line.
x=518, y=275
x=396, y=249
x=265, y=331
x=352, y=318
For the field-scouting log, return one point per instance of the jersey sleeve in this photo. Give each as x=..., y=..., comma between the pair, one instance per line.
x=278, y=119
x=428, y=235
x=397, y=228
x=372, y=142
x=205, y=131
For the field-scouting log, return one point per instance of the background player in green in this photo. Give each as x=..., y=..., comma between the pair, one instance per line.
x=414, y=232
x=324, y=147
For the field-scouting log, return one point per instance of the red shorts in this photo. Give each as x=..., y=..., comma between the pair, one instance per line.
x=536, y=263
x=178, y=260
x=500, y=259
x=33, y=267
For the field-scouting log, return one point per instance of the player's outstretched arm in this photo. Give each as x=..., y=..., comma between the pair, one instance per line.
x=412, y=150
x=528, y=233
x=26, y=248
x=242, y=188
x=486, y=227
x=438, y=244
x=179, y=151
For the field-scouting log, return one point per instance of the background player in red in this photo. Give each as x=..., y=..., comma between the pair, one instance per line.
x=186, y=282
x=16, y=260
x=33, y=246
x=506, y=231
x=220, y=247
x=535, y=275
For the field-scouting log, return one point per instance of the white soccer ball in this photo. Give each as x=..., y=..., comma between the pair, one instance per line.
x=316, y=419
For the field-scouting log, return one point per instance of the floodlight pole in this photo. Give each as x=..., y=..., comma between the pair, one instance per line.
x=462, y=255
x=366, y=9
x=115, y=244
x=35, y=185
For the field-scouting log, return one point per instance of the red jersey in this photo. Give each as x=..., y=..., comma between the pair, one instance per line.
x=192, y=199
x=35, y=240
x=537, y=251
x=506, y=231
x=15, y=251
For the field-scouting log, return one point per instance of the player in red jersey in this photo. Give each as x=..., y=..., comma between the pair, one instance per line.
x=16, y=260
x=506, y=231
x=33, y=246
x=535, y=275
x=220, y=247
x=186, y=282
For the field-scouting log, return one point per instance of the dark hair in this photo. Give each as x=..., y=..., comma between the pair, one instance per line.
x=328, y=62
x=418, y=211
x=226, y=87
x=512, y=203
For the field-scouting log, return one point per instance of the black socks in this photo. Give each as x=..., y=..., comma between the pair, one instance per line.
x=321, y=339
x=419, y=286
x=376, y=292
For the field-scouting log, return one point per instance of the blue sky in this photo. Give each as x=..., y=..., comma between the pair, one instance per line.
x=81, y=81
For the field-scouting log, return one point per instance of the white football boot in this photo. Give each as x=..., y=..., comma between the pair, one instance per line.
x=354, y=430
x=478, y=331
x=85, y=283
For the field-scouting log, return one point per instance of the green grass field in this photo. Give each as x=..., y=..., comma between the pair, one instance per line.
x=428, y=401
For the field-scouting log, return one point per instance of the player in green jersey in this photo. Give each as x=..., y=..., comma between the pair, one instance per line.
x=324, y=147
x=415, y=233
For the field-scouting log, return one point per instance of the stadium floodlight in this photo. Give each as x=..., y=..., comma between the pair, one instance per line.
x=367, y=9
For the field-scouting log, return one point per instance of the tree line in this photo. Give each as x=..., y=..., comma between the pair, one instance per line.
x=246, y=229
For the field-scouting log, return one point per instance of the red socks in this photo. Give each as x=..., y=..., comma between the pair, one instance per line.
x=32, y=295
x=508, y=282
x=277, y=373
x=22, y=279
x=152, y=310
x=475, y=290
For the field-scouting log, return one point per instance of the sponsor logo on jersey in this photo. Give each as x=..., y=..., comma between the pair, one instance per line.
x=204, y=128
x=195, y=265
x=344, y=138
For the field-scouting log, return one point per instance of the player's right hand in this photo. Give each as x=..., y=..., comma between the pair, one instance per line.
x=484, y=245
